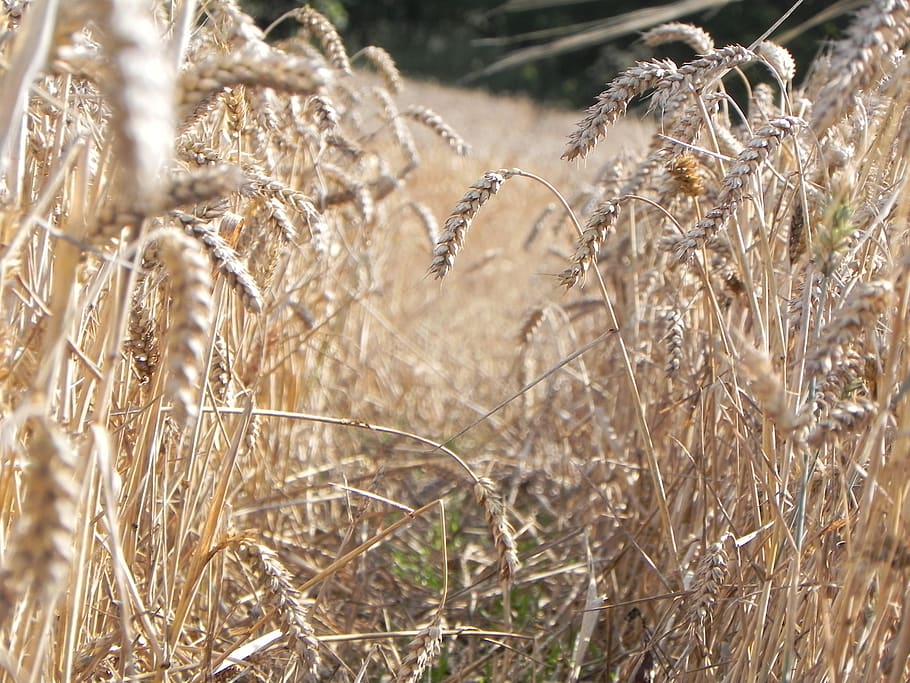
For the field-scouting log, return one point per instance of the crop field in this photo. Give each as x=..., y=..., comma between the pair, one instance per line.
x=312, y=372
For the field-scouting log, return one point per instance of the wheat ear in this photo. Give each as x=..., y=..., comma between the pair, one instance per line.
x=456, y=226
x=190, y=309
x=498, y=523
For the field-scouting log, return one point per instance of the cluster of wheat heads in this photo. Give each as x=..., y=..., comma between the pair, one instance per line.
x=188, y=221
x=735, y=451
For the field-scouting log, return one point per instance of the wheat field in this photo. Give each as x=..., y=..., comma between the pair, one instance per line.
x=310, y=372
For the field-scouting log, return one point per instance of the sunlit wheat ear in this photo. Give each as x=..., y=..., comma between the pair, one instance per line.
x=233, y=25
x=707, y=581
x=139, y=86
x=693, y=36
x=768, y=391
x=673, y=340
x=190, y=307
x=262, y=186
x=204, y=185
x=847, y=417
x=494, y=508
x=879, y=29
x=451, y=240
x=612, y=103
x=256, y=66
x=277, y=581
x=40, y=548
x=856, y=318
x=323, y=113
x=316, y=25
x=762, y=145
x=384, y=64
x=778, y=58
x=435, y=122
x=225, y=259
x=143, y=343
x=422, y=652
x=595, y=233
x=402, y=134
x=427, y=221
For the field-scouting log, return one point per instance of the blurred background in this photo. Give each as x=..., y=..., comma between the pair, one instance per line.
x=556, y=51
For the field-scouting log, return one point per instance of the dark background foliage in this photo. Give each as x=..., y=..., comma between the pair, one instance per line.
x=448, y=40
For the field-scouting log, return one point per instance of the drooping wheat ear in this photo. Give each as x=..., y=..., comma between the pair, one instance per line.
x=708, y=578
x=778, y=58
x=434, y=122
x=323, y=113
x=190, y=315
x=673, y=340
x=225, y=259
x=693, y=36
x=204, y=185
x=768, y=390
x=858, y=316
x=384, y=64
x=318, y=26
x=40, y=549
x=234, y=26
x=760, y=147
x=422, y=652
x=400, y=131
x=598, y=226
x=532, y=322
x=279, y=219
x=256, y=66
x=198, y=152
x=847, y=417
x=878, y=30
x=456, y=226
x=139, y=86
x=612, y=103
x=498, y=523
x=427, y=220
x=260, y=185
x=275, y=578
